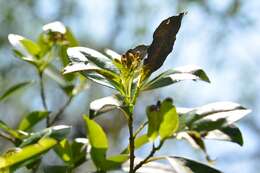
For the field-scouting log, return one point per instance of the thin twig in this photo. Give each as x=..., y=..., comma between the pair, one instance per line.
x=44, y=103
x=142, y=126
x=61, y=111
x=153, y=151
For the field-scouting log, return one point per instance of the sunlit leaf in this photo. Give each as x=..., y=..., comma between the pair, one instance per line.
x=112, y=54
x=98, y=142
x=103, y=105
x=55, y=27
x=99, y=146
x=9, y=130
x=13, y=89
x=163, y=41
x=169, y=123
x=32, y=119
x=94, y=73
x=176, y=75
x=229, y=111
x=27, y=152
x=229, y=133
x=84, y=54
x=183, y=165
x=163, y=119
x=27, y=47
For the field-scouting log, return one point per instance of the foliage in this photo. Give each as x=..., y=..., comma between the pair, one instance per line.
x=129, y=75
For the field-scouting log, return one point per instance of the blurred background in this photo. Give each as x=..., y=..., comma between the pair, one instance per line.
x=220, y=36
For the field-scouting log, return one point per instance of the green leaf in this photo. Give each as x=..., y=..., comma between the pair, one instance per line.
x=57, y=132
x=112, y=54
x=170, y=123
x=27, y=47
x=229, y=133
x=154, y=120
x=71, y=38
x=194, y=138
x=94, y=73
x=205, y=125
x=99, y=146
x=176, y=75
x=229, y=111
x=32, y=119
x=57, y=169
x=84, y=54
x=114, y=162
x=13, y=89
x=79, y=149
x=105, y=104
x=31, y=47
x=73, y=153
x=27, y=152
x=9, y=130
x=63, y=150
x=183, y=165
x=163, y=119
x=98, y=141
x=153, y=167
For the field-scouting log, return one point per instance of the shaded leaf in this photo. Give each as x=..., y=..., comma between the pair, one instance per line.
x=176, y=75
x=57, y=132
x=105, y=104
x=13, y=89
x=73, y=153
x=153, y=167
x=57, y=169
x=193, y=138
x=27, y=152
x=32, y=119
x=229, y=133
x=163, y=41
x=154, y=120
x=205, y=125
x=183, y=165
x=79, y=151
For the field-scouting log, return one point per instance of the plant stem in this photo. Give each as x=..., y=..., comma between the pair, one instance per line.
x=131, y=144
x=153, y=151
x=61, y=111
x=44, y=103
